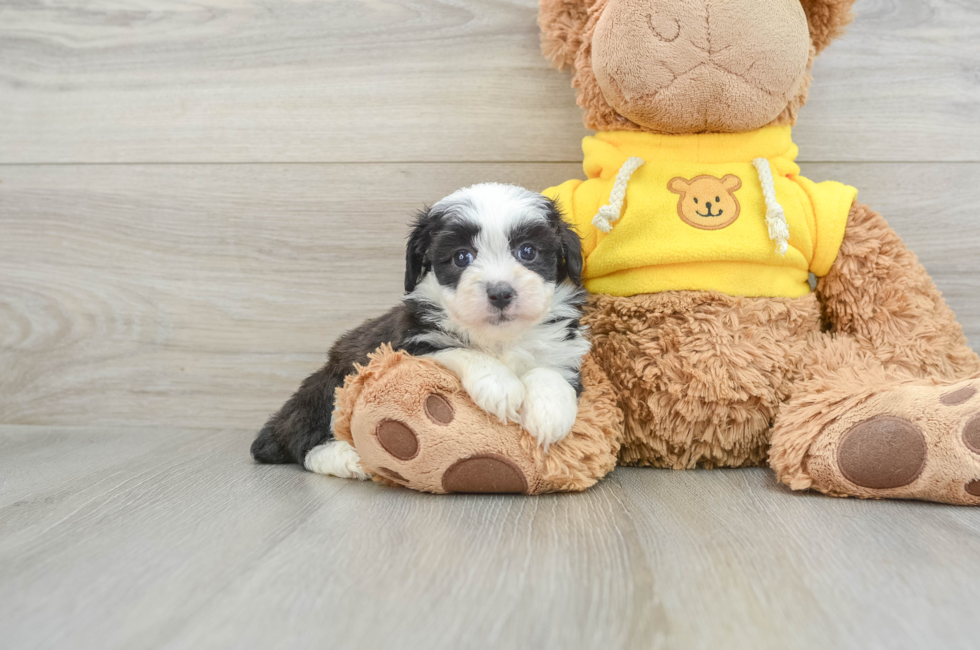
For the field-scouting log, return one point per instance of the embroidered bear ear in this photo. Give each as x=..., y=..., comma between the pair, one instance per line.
x=731, y=182
x=562, y=23
x=679, y=185
x=827, y=20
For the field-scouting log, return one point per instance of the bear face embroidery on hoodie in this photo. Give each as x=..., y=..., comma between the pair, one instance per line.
x=707, y=202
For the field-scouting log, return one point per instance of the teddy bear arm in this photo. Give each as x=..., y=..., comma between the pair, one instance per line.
x=878, y=293
x=413, y=424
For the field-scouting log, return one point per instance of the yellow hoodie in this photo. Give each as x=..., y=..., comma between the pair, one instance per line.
x=691, y=213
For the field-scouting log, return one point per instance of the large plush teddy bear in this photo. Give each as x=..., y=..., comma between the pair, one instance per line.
x=699, y=236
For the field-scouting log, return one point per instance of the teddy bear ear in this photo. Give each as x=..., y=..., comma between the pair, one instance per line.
x=562, y=23
x=827, y=20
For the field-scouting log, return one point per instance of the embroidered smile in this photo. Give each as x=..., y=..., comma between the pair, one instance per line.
x=709, y=213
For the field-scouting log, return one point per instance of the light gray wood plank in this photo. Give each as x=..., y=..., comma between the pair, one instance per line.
x=416, y=80
x=902, y=85
x=202, y=295
x=135, y=549
x=752, y=564
x=190, y=545
x=32, y=471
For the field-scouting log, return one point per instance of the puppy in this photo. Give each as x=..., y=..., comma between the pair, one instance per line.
x=492, y=292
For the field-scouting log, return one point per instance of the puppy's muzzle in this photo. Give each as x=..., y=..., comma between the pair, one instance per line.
x=500, y=294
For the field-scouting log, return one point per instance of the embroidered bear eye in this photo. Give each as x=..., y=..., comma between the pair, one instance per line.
x=695, y=200
x=717, y=200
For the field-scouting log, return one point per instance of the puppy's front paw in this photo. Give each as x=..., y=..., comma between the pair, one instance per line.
x=497, y=391
x=550, y=406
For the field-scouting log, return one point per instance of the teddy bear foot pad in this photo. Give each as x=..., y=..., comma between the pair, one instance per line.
x=480, y=473
x=912, y=442
x=414, y=426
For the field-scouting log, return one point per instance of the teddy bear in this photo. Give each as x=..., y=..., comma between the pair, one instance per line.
x=740, y=314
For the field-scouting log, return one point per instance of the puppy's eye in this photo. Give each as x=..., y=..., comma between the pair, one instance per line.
x=462, y=259
x=717, y=200
x=695, y=200
x=527, y=253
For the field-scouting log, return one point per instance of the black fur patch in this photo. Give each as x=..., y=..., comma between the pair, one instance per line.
x=542, y=236
x=303, y=422
x=446, y=242
x=570, y=244
x=426, y=221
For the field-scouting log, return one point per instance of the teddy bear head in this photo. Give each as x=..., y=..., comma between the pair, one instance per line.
x=689, y=66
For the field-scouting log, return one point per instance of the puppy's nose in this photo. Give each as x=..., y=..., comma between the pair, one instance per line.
x=500, y=294
x=709, y=206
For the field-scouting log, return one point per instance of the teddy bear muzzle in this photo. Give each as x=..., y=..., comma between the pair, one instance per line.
x=695, y=66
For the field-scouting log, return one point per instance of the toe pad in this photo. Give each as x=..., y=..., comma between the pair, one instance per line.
x=398, y=440
x=883, y=452
x=486, y=473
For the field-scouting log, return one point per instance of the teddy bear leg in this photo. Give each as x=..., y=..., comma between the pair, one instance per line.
x=855, y=428
x=413, y=425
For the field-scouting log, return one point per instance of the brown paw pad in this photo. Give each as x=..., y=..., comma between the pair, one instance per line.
x=971, y=434
x=392, y=475
x=439, y=410
x=398, y=440
x=883, y=452
x=958, y=396
x=485, y=474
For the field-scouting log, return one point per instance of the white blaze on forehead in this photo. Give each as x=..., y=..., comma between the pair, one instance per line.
x=494, y=206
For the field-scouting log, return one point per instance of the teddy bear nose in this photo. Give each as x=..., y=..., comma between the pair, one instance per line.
x=708, y=205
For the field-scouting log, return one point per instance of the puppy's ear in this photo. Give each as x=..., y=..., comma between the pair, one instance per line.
x=570, y=265
x=416, y=262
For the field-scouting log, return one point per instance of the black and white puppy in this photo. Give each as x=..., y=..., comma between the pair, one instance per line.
x=493, y=293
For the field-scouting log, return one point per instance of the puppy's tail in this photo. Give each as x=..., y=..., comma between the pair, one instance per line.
x=267, y=449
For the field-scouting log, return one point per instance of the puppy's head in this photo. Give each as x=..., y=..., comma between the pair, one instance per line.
x=492, y=256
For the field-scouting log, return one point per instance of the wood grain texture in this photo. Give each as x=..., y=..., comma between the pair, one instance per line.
x=459, y=80
x=179, y=541
x=202, y=295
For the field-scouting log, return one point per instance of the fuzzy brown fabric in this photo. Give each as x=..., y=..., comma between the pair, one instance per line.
x=569, y=26
x=849, y=389
x=896, y=348
x=841, y=376
x=828, y=20
x=699, y=66
x=394, y=388
x=878, y=293
x=700, y=375
x=562, y=23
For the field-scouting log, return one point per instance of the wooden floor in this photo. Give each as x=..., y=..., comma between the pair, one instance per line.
x=196, y=198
